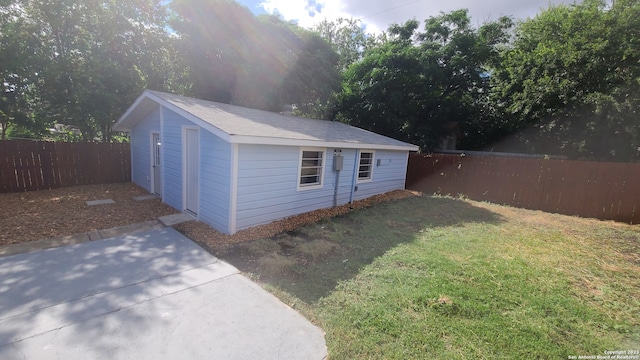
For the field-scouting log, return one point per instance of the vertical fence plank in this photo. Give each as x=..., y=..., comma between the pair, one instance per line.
x=583, y=188
x=37, y=165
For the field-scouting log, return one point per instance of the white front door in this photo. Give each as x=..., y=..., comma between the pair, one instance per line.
x=155, y=160
x=192, y=159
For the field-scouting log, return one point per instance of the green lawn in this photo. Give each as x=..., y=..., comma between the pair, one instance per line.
x=439, y=278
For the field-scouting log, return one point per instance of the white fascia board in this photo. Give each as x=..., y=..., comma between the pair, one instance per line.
x=187, y=115
x=118, y=126
x=260, y=140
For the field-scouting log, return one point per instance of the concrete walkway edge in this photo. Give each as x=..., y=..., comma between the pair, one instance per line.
x=29, y=246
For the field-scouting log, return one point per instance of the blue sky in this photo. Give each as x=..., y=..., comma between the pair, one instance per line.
x=377, y=15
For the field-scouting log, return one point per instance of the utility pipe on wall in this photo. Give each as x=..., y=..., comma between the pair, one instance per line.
x=338, y=163
x=355, y=174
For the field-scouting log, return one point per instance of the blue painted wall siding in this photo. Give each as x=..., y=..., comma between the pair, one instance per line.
x=215, y=181
x=172, y=157
x=268, y=175
x=141, y=149
x=389, y=176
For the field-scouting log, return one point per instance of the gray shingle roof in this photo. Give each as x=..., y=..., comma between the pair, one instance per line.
x=255, y=124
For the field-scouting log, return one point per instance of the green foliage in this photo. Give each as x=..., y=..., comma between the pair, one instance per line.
x=81, y=63
x=259, y=62
x=348, y=39
x=415, y=86
x=573, y=74
x=16, y=72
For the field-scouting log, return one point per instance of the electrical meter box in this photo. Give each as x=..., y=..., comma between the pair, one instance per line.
x=338, y=162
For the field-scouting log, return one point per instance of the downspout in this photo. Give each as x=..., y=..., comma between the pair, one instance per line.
x=355, y=174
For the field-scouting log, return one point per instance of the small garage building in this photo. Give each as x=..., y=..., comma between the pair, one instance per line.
x=234, y=168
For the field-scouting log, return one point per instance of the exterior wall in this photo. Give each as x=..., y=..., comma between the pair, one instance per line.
x=215, y=181
x=389, y=176
x=172, y=157
x=141, y=149
x=268, y=177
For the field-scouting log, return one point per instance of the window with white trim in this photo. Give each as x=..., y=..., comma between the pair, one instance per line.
x=311, y=169
x=365, y=166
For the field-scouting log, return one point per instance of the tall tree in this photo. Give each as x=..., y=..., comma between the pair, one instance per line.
x=260, y=62
x=572, y=76
x=16, y=71
x=416, y=85
x=89, y=60
x=348, y=39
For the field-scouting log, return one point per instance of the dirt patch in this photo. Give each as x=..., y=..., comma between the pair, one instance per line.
x=315, y=249
x=36, y=215
x=219, y=243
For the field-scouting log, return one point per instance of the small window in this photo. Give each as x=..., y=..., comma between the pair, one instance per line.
x=311, y=169
x=365, y=166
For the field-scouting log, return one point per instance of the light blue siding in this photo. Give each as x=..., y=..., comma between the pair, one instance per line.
x=268, y=176
x=215, y=181
x=388, y=176
x=141, y=149
x=172, y=157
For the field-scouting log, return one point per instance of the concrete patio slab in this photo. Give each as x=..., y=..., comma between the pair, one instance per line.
x=173, y=219
x=146, y=197
x=152, y=295
x=100, y=202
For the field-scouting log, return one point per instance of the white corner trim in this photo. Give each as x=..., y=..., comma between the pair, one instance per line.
x=322, y=170
x=184, y=166
x=233, y=193
x=151, y=161
x=162, y=151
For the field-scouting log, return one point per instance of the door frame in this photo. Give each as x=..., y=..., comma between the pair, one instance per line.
x=186, y=128
x=152, y=149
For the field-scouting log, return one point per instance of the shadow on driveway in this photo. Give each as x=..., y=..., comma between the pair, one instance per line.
x=150, y=295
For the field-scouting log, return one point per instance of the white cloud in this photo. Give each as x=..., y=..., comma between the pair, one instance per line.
x=377, y=15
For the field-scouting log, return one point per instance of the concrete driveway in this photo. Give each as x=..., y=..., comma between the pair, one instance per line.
x=152, y=295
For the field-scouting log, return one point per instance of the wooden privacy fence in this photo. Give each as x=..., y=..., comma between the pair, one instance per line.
x=38, y=165
x=608, y=191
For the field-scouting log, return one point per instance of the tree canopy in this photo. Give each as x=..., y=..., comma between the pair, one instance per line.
x=566, y=82
x=260, y=62
x=571, y=79
x=415, y=85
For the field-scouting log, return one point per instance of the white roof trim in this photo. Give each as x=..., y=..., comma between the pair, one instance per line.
x=128, y=113
x=260, y=140
x=189, y=116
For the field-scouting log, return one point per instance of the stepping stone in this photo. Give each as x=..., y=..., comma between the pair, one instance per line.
x=146, y=197
x=170, y=220
x=100, y=202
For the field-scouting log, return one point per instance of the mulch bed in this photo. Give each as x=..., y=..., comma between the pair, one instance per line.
x=36, y=215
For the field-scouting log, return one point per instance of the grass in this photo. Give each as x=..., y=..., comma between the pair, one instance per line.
x=432, y=277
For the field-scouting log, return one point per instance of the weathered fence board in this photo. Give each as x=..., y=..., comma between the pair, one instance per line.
x=38, y=165
x=600, y=190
